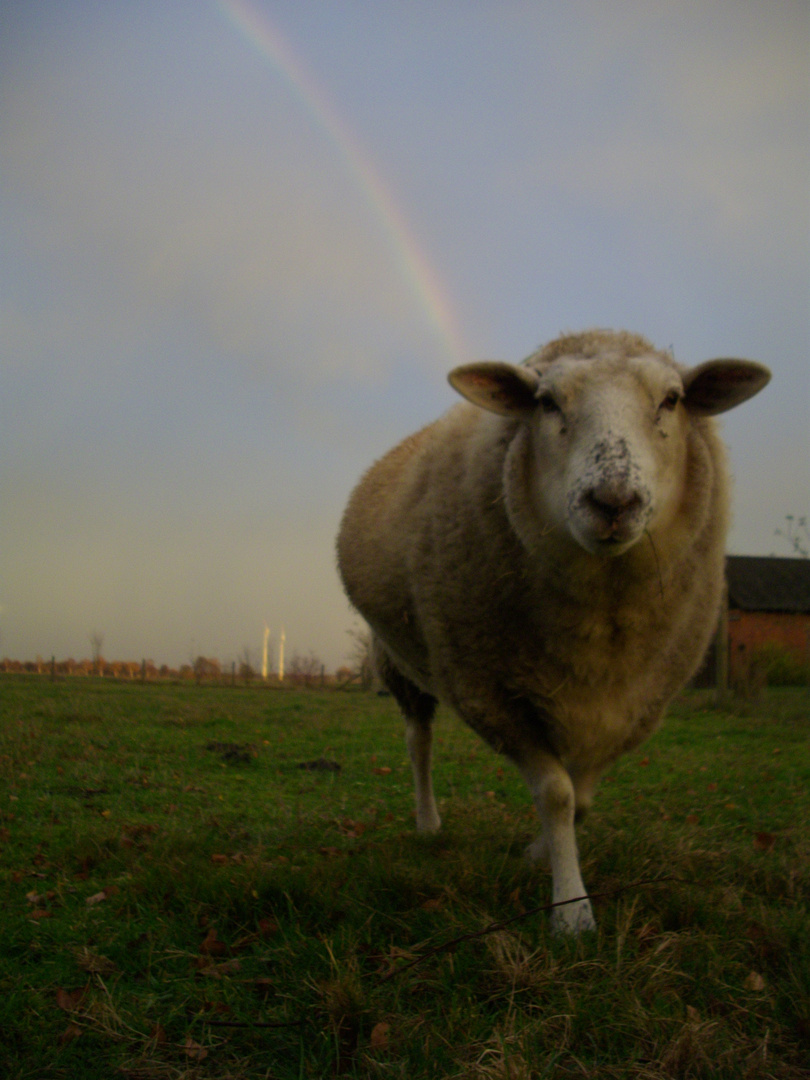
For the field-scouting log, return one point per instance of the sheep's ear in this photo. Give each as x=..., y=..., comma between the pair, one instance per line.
x=718, y=385
x=500, y=388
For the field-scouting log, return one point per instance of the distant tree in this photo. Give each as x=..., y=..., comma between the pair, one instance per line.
x=304, y=670
x=797, y=535
x=246, y=669
x=360, y=656
x=205, y=668
x=96, y=644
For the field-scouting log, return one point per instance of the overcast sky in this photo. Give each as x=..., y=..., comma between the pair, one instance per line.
x=242, y=243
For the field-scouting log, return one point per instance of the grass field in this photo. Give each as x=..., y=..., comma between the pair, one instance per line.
x=182, y=899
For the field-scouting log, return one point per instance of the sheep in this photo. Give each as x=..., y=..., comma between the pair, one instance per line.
x=547, y=559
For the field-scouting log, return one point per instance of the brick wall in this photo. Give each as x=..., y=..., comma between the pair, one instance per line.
x=747, y=630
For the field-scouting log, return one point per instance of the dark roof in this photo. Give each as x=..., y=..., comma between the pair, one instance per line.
x=759, y=583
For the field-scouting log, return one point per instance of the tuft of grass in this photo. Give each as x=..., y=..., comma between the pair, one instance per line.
x=183, y=900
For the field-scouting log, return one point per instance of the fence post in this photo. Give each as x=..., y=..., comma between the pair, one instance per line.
x=721, y=647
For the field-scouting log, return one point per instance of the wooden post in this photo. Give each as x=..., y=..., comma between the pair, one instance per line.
x=721, y=648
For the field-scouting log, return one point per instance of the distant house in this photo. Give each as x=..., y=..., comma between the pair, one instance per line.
x=768, y=601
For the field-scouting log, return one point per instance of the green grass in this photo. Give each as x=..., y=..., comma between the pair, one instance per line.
x=182, y=900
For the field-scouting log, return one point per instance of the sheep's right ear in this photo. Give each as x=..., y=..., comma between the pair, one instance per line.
x=718, y=385
x=498, y=387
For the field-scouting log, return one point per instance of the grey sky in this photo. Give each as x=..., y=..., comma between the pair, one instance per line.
x=209, y=324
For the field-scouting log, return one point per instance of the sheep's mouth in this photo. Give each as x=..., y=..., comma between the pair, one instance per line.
x=608, y=538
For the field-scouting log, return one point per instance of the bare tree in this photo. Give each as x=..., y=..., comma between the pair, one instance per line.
x=246, y=669
x=360, y=656
x=304, y=670
x=797, y=535
x=96, y=643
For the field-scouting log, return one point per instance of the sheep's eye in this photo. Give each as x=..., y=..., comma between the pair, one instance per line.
x=670, y=401
x=548, y=404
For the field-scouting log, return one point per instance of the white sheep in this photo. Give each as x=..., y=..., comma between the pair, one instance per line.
x=549, y=562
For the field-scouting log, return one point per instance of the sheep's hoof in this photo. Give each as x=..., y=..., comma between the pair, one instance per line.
x=572, y=919
x=428, y=822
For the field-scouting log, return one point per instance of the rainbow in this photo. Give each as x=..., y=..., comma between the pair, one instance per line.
x=428, y=290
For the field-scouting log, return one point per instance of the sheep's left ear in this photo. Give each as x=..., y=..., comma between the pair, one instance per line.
x=718, y=385
x=500, y=388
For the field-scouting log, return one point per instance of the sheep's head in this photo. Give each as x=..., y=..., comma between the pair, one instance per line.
x=607, y=417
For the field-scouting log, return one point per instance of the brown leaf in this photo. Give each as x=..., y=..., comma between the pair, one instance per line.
x=692, y=819
x=330, y=852
x=382, y=770
x=70, y=1000
x=71, y=1032
x=378, y=1040
x=96, y=898
x=194, y=1050
x=40, y=913
x=94, y=962
x=692, y=1015
x=644, y=761
x=268, y=927
x=764, y=841
x=211, y=946
x=220, y=860
x=433, y=904
x=755, y=982
x=158, y=1035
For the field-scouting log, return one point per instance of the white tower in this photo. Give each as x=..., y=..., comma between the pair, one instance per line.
x=264, y=651
x=281, y=641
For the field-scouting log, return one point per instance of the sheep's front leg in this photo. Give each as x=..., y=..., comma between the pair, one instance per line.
x=554, y=797
x=419, y=739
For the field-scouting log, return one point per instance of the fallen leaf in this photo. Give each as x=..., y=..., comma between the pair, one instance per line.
x=378, y=1040
x=94, y=962
x=158, y=1035
x=711, y=787
x=330, y=852
x=71, y=1032
x=70, y=1000
x=382, y=770
x=692, y=819
x=96, y=898
x=40, y=913
x=194, y=1050
x=644, y=761
x=432, y=905
x=764, y=841
x=211, y=946
x=692, y=1015
x=220, y=860
x=755, y=982
x=268, y=927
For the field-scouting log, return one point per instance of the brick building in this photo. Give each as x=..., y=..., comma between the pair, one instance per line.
x=768, y=601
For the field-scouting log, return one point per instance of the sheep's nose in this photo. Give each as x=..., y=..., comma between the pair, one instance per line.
x=613, y=503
